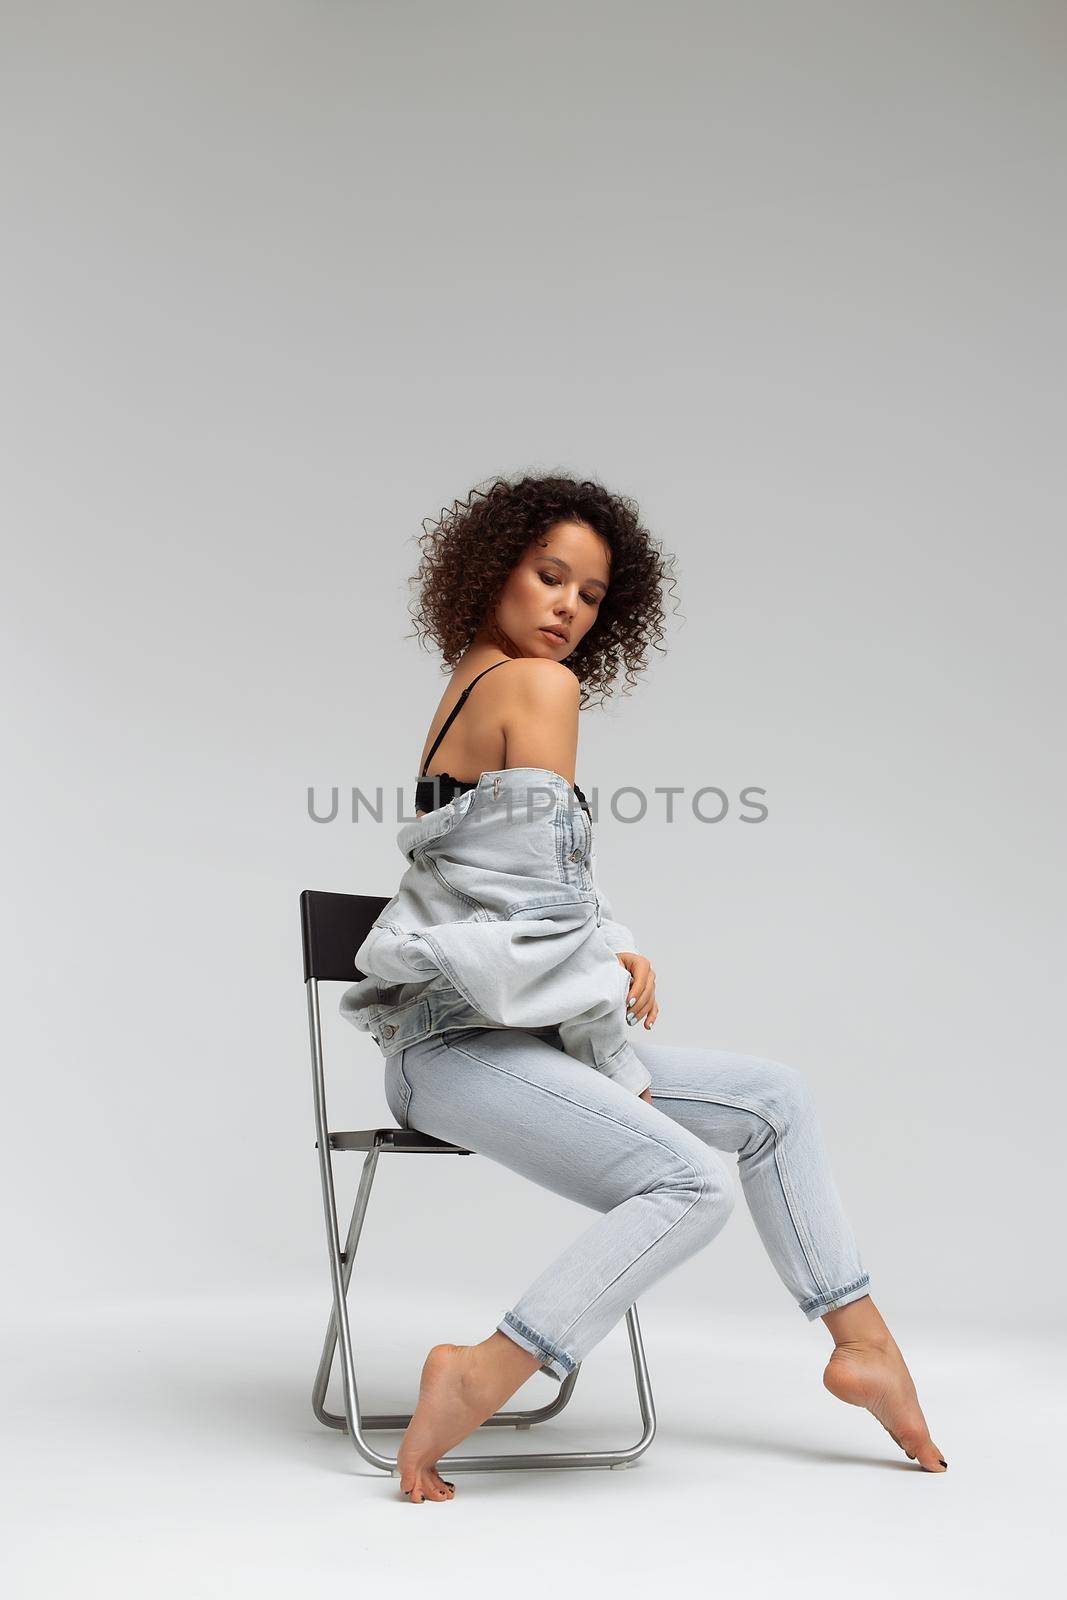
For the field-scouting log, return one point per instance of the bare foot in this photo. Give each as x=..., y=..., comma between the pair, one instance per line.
x=873, y=1374
x=461, y=1385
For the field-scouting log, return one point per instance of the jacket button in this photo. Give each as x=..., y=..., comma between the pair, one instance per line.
x=576, y=855
x=389, y=1029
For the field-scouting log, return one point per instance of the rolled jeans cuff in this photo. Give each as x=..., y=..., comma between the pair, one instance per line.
x=555, y=1362
x=833, y=1299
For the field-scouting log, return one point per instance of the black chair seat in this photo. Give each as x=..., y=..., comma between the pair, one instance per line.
x=393, y=1139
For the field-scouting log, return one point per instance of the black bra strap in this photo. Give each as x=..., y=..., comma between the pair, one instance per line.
x=456, y=709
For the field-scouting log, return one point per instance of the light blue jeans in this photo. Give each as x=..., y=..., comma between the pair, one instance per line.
x=652, y=1171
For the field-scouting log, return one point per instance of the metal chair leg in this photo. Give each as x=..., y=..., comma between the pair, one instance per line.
x=355, y=1226
x=333, y=1419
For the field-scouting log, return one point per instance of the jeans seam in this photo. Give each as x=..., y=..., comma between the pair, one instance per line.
x=807, y=1246
x=631, y=1264
x=402, y=1086
x=590, y=1110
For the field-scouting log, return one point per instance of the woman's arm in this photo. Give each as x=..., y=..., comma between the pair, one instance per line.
x=541, y=717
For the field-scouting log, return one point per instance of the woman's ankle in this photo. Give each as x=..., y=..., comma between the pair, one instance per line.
x=859, y=1323
x=508, y=1358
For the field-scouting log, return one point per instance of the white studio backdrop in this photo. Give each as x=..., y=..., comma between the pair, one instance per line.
x=283, y=280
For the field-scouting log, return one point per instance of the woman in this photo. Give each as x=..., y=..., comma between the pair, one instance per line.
x=542, y=589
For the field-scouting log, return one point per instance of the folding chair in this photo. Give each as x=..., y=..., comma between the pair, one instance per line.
x=333, y=926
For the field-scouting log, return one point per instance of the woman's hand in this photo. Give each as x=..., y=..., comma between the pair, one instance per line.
x=641, y=1000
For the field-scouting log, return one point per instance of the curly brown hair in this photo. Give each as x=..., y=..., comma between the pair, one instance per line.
x=468, y=553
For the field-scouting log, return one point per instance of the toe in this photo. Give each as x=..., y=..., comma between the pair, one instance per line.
x=411, y=1487
x=921, y=1449
x=433, y=1487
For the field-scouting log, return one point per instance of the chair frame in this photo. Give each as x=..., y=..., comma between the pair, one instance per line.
x=333, y=927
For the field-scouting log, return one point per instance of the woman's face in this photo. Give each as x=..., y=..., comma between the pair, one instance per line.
x=559, y=582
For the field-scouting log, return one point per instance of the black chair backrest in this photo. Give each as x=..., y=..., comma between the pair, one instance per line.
x=332, y=927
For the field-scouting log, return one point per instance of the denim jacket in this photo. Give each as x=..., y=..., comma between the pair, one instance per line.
x=498, y=923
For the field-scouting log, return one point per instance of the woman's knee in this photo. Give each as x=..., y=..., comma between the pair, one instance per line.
x=785, y=1093
x=713, y=1187
x=778, y=1098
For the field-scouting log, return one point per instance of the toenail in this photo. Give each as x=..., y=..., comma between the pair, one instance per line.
x=942, y=1460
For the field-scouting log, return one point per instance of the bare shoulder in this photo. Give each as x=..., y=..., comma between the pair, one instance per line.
x=537, y=685
x=539, y=718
